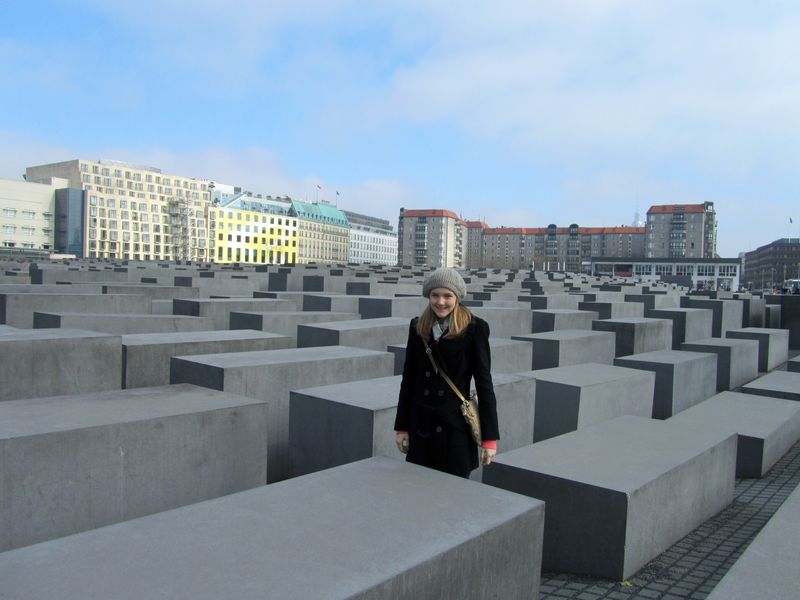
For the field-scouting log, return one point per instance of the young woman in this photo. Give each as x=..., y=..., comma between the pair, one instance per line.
x=430, y=428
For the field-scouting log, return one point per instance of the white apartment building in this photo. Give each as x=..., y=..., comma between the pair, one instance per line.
x=372, y=240
x=27, y=213
x=137, y=212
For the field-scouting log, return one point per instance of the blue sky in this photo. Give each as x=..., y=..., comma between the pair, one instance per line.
x=520, y=113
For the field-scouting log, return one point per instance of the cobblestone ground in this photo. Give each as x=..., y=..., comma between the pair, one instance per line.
x=693, y=566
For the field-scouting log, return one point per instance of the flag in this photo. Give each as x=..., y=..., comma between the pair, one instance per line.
x=790, y=220
x=337, y=192
x=319, y=187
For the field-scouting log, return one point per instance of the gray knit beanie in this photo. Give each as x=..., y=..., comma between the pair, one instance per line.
x=445, y=278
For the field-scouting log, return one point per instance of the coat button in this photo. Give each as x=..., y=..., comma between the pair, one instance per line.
x=426, y=392
x=441, y=392
x=439, y=429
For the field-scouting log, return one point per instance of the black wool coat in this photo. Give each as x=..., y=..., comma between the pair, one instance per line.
x=431, y=412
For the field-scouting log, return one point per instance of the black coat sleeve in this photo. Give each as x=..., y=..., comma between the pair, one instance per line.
x=482, y=373
x=402, y=421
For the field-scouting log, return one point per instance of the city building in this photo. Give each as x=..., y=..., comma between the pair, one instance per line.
x=131, y=211
x=27, y=213
x=254, y=229
x=681, y=231
x=372, y=240
x=770, y=265
x=475, y=241
x=693, y=273
x=323, y=233
x=556, y=248
x=431, y=237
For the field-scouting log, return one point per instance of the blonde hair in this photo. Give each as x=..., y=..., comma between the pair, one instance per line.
x=460, y=317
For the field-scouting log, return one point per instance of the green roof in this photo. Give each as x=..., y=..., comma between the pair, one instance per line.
x=322, y=213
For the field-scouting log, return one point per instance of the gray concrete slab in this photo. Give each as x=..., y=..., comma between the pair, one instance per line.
x=737, y=359
x=331, y=302
x=773, y=345
x=790, y=318
x=271, y=374
x=49, y=362
x=374, y=307
x=688, y=324
x=727, y=314
x=17, y=309
x=219, y=309
x=614, y=310
x=766, y=427
x=339, y=533
x=569, y=347
x=620, y=492
x=793, y=364
x=336, y=424
x=121, y=324
x=506, y=322
x=154, y=292
x=285, y=322
x=73, y=463
x=562, y=318
x=372, y=334
x=635, y=335
x=146, y=357
x=682, y=378
x=568, y=398
x=768, y=566
x=778, y=384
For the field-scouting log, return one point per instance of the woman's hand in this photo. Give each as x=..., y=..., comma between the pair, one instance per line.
x=487, y=454
x=401, y=439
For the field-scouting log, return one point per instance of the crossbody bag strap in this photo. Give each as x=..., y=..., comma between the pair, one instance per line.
x=441, y=372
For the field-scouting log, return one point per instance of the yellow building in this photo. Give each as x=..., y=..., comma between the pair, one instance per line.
x=137, y=212
x=249, y=235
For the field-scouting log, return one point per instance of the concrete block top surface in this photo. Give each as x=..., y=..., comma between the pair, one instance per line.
x=33, y=416
x=560, y=311
x=361, y=323
x=671, y=357
x=761, y=330
x=179, y=337
x=562, y=335
x=746, y=414
x=332, y=534
x=677, y=310
x=632, y=320
x=778, y=381
x=260, y=358
x=588, y=374
x=371, y=394
x=621, y=454
x=720, y=342
x=51, y=334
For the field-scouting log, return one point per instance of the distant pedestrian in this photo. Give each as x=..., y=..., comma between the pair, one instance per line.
x=430, y=428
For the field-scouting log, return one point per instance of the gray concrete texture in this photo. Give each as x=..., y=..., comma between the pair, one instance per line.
x=78, y=462
x=568, y=398
x=778, y=384
x=773, y=345
x=339, y=533
x=682, y=378
x=121, y=324
x=17, y=309
x=562, y=318
x=636, y=335
x=727, y=314
x=146, y=357
x=285, y=322
x=47, y=362
x=372, y=334
x=620, y=492
x=614, y=310
x=767, y=427
x=569, y=347
x=271, y=374
x=737, y=360
x=688, y=324
x=219, y=309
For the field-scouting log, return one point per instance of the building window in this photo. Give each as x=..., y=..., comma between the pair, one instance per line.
x=10, y=212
